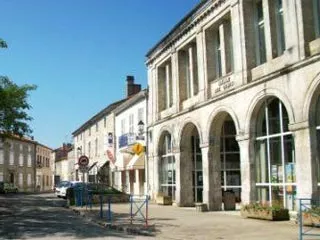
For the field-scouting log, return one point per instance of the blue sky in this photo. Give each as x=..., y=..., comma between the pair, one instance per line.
x=78, y=53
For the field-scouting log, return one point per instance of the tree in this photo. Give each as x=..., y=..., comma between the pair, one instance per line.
x=3, y=44
x=13, y=107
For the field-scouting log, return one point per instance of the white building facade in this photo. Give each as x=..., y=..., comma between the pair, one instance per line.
x=234, y=104
x=95, y=139
x=129, y=172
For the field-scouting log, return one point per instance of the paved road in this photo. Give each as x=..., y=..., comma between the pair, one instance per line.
x=43, y=216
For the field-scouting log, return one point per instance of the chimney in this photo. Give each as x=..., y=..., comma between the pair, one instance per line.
x=131, y=87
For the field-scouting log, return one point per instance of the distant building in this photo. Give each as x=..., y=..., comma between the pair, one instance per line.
x=44, y=179
x=129, y=171
x=96, y=139
x=60, y=156
x=17, y=162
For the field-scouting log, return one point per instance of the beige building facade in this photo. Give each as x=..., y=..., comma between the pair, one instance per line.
x=17, y=162
x=44, y=179
x=234, y=104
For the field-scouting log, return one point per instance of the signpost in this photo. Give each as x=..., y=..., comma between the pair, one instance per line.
x=83, y=163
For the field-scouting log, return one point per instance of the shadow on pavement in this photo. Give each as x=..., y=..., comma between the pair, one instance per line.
x=31, y=216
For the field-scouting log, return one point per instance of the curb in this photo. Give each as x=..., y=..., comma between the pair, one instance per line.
x=114, y=227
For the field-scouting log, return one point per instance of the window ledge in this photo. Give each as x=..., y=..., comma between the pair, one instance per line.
x=269, y=67
x=314, y=47
x=190, y=102
x=167, y=112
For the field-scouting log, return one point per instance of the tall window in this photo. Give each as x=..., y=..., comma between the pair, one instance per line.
x=105, y=121
x=1, y=176
x=89, y=149
x=11, y=161
x=131, y=124
x=260, y=36
x=123, y=126
x=165, y=85
x=97, y=127
x=1, y=156
x=281, y=45
x=316, y=17
x=275, y=156
x=96, y=146
x=218, y=62
x=167, y=170
x=140, y=115
x=20, y=180
x=29, y=180
x=197, y=172
x=230, y=159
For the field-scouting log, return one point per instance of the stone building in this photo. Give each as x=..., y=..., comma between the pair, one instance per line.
x=95, y=139
x=44, y=180
x=17, y=162
x=234, y=103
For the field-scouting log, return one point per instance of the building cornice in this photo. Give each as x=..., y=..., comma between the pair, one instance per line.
x=189, y=22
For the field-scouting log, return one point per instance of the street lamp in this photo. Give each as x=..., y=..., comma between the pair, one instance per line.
x=140, y=129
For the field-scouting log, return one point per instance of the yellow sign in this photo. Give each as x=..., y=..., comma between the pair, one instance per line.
x=137, y=148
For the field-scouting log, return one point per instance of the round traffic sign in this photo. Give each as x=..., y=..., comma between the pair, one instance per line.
x=83, y=161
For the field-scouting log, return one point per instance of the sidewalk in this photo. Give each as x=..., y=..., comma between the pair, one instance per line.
x=168, y=222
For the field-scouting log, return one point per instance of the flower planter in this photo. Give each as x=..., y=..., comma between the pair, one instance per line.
x=266, y=214
x=310, y=219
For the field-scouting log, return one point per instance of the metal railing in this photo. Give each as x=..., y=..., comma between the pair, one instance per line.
x=309, y=218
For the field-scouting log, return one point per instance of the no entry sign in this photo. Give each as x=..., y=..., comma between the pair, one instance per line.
x=83, y=161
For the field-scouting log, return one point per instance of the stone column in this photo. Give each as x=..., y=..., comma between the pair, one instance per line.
x=155, y=179
x=175, y=80
x=247, y=170
x=184, y=181
x=201, y=56
x=211, y=190
x=305, y=168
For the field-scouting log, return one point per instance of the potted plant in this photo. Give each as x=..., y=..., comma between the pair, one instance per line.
x=265, y=211
x=311, y=216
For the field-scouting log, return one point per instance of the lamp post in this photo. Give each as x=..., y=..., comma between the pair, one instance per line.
x=141, y=137
x=79, y=151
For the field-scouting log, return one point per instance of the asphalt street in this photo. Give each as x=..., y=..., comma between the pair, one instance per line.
x=44, y=216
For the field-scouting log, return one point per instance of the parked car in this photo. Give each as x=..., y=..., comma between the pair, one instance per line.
x=61, y=189
x=8, y=187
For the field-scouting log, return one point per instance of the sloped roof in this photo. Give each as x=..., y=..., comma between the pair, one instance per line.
x=98, y=116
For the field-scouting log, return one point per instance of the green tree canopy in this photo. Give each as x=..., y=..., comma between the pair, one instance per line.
x=13, y=107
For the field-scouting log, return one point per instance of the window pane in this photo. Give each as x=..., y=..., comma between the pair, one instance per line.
x=262, y=174
x=233, y=178
x=232, y=161
x=263, y=194
x=275, y=160
x=274, y=117
x=277, y=196
x=291, y=197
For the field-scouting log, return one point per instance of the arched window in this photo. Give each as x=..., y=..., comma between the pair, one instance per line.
x=275, y=156
x=167, y=168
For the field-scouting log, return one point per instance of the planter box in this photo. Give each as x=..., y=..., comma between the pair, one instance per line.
x=272, y=215
x=310, y=219
x=163, y=199
x=201, y=207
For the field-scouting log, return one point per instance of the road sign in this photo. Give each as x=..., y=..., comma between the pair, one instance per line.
x=83, y=168
x=83, y=161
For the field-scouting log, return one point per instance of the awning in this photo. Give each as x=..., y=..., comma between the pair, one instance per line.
x=123, y=160
x=95, y=163
x=137, y=162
